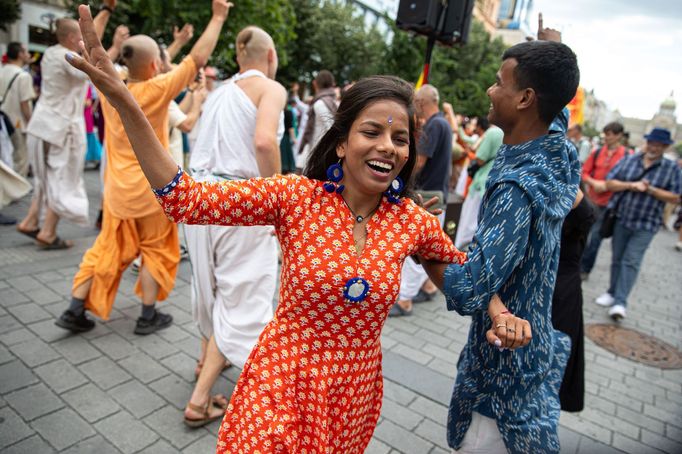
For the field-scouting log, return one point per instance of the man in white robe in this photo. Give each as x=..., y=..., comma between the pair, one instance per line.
x=56, y=138
x=234, y=269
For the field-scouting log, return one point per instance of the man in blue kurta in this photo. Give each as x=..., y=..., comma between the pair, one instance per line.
x=508, y=400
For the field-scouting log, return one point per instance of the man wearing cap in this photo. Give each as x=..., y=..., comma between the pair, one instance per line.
x=642, y=183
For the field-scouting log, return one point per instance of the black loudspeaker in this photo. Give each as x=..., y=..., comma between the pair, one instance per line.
x=419, y=16
x=457, y=22
x=449, y=20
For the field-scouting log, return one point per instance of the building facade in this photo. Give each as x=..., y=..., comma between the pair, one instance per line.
x=664, y=118
x=33, y=29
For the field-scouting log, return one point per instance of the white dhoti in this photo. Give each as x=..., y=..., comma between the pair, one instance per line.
x=12, y=185
x=58, y=176
x=234, y=277
x=468, y=219
x=413, y=276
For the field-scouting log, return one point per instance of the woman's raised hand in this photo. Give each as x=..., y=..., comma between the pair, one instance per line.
x=95, y=62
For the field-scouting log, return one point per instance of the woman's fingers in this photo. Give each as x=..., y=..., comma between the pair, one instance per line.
x=84, y=51
x=81, y=63
x=528, y=335
x=493, y=339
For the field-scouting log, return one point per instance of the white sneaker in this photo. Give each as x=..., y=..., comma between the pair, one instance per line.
x=617, y=312
x=605, y=300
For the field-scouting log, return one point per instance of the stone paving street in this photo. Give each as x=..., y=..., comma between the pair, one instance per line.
x=111, y=391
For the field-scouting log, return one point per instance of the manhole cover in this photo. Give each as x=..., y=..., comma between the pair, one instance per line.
x=635, y=346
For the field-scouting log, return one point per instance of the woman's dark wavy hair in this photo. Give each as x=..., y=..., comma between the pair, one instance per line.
x=363, y=93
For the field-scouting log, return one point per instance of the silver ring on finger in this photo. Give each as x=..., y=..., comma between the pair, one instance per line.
x=501, y=325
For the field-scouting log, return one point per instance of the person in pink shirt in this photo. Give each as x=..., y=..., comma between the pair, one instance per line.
x=94, y=150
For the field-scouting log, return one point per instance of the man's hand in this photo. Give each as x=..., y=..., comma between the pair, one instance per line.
x=639, y=186
x=599, y=186
x=507, y=331
x=95, y=62
x=547, y=34
x=121, y=34
x=221, y=9
x=183, y=35
x=428, y=204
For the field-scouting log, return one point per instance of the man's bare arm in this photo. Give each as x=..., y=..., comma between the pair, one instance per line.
x=26, y=110
x=121, y=34
x=265, y=136
x=204, y=46
x=197, y=99
x=100, y=21
x=180, y=39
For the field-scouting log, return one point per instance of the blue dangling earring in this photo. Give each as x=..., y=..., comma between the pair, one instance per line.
x=394, y=190
x=334, y=175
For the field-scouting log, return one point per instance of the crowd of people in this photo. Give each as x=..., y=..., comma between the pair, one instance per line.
x=339, y=200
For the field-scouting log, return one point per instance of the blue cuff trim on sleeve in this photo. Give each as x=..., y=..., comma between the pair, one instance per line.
x=166, y=189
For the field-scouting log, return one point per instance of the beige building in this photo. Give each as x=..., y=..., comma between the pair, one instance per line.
x=33, y=29
x=664, y=118
x=486, y=11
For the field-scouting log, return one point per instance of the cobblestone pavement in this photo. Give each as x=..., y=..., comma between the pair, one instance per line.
x=110, y=391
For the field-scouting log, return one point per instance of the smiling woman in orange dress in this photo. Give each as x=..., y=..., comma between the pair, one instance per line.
x=313, y=381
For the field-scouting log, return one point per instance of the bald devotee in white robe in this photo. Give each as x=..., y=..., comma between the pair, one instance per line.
x=234, y=269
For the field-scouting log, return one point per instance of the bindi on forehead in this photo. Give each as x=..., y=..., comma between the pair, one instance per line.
x=390, y=120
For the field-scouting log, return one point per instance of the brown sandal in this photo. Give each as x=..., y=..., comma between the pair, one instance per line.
x=204, y=411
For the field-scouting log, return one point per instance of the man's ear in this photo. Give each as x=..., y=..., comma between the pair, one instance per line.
x=528, y=98
x=271, y=55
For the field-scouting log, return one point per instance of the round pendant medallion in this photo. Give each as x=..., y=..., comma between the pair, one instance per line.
x=356, y=289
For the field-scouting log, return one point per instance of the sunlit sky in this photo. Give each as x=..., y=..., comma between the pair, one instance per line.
x=629, y=51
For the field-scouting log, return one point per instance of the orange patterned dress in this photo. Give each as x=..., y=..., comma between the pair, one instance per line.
x=313, y=382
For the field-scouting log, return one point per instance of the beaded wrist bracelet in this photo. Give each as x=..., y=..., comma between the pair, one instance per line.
x=166, y=189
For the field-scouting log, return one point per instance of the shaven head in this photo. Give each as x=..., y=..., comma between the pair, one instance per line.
x=68, y=33
x=141, y=55
x=256, y=49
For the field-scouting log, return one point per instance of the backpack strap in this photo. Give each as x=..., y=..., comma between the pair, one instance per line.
x=4, y=96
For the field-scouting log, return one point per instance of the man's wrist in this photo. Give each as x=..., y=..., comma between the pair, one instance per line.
x=650, y=190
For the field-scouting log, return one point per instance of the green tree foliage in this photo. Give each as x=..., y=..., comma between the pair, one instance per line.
x=332, y=35
x=11, y=12
x=462, y=74
x=157, y=18
x=327, y=34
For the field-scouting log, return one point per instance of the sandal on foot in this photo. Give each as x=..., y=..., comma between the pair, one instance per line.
x=220, y=401
x=56, y=244
x=204, y=411
x=397, y=311
x=29, y=233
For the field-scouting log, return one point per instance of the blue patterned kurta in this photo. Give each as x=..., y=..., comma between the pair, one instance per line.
x=515, y=253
